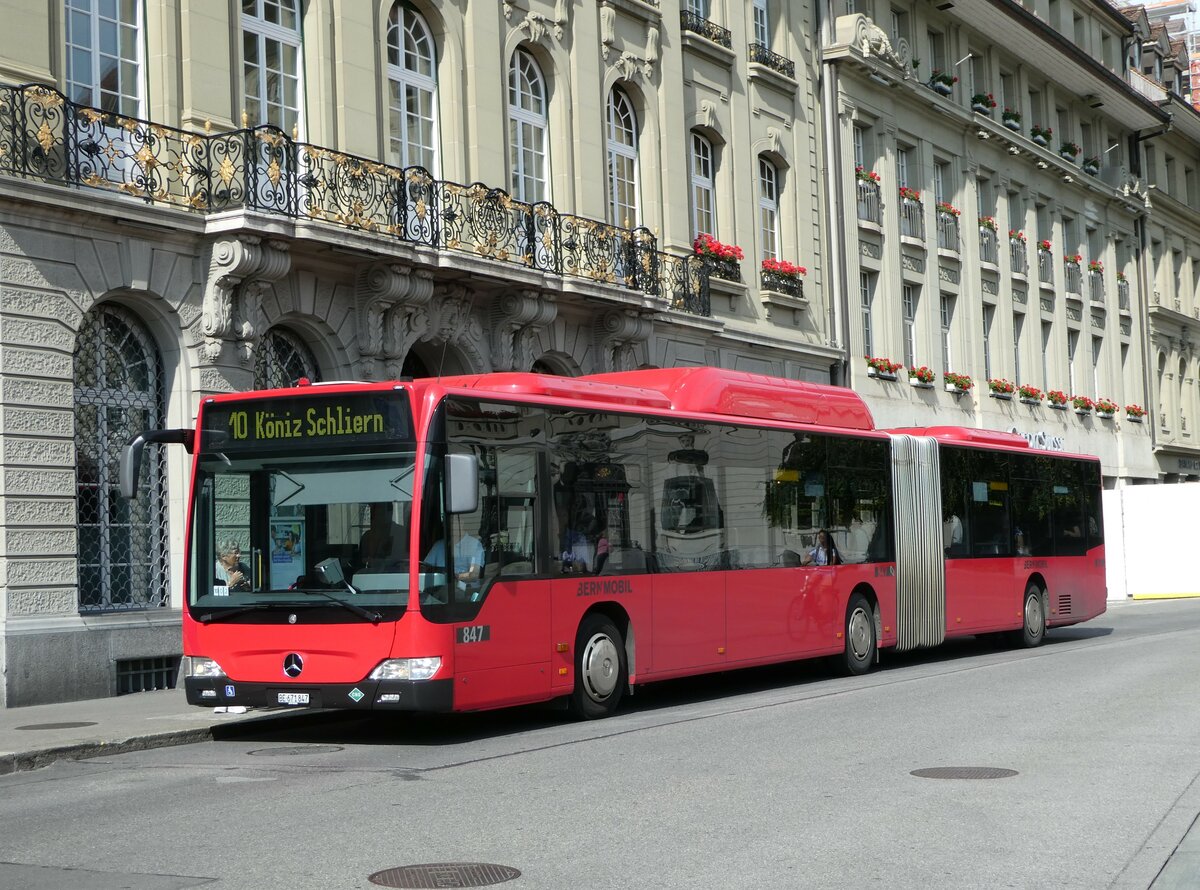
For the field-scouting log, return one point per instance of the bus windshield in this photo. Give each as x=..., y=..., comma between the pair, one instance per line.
x=308, y=520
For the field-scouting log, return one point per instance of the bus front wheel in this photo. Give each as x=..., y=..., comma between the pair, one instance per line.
x=1033, y=627
x=600, y=669
x=860, y=634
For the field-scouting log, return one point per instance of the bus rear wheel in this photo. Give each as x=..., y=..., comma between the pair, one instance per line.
x=1033, y=627
x=600, y=671
x=860, y=635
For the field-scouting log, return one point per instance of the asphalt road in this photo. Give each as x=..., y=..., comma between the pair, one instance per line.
x=789, y=777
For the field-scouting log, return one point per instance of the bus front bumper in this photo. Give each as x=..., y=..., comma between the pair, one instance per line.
x=369, y=695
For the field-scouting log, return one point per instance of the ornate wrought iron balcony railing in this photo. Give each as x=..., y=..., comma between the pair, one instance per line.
x=774, y=61
x=791, y=285
x=1045, y=266
x=45, y=137
x=689, y=21
x=1123, y=296
x=1074, y=278
x=947, y=231
x=1095, y=286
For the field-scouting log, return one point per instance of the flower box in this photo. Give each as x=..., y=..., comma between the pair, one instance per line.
x=1105, y=415
x=1028, y=400
x=1038, y=139
x=1090, y=169
x=942, y=89
x=1013, y=124
x=881, y=375
x=1002, y=396
x=920, y=384
x=1083, y=412
x=1066, y=155
x=1134, y=418
x=1058, y=406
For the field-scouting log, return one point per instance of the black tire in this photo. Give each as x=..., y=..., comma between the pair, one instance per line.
x=860, y=635
x=600, y=670
x=1033, y=624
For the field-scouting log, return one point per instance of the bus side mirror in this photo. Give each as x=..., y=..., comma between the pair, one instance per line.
x=462, y=483
x=131, y=456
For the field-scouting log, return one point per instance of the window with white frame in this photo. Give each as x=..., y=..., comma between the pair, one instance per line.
x=866, y=295
x=527, y=126
x=860, y=149
x=622, y=160
x=768, y=209
x=1072, y=345
x=903, y=162
x=104, y=55
x=1047, y=335
x=899, y=25
x=412, y=91
x=271, y=63
x=699, y=7
x=941, y=176
x=909, y=297
x=1097, y=349
x=989, y=316
x=762, y=24
x=704, y=218
x=1018, y=326
x=947, y=313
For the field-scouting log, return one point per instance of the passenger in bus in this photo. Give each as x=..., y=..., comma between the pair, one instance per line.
x=952, y=535
x=230, y=568
x=384, y=540
x=824, y=552
x=857, y=541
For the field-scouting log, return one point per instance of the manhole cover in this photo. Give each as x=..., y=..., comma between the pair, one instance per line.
x=445, y=874
x=963, y=772
x=291, y=750
x=75, y=725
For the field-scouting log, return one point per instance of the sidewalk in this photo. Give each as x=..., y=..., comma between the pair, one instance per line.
x=38, y=735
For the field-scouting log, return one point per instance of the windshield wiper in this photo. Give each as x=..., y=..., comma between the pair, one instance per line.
x=210, y=617
x=373, y=617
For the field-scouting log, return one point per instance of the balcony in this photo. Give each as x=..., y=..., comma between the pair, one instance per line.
x=1018, y=257
x=1045, y=267
x=45, y=138
x=689, y=21
x=989, y=246
x=1074, y=279
x=1096, y=287
x=912, y=219
x=947, y=231
x=870, y=206
x=777, y=63
x=777, y=282
x=1123, y=296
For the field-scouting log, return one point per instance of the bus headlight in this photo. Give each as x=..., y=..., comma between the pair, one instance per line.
x=406, y=669
x=199, y=666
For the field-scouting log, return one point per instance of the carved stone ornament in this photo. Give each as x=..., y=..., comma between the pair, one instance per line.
x=447, y=318
x=238, y=270
x=381, y=290
x=872, y=41
x=538, y=26
x=517, y=316
x=617, y=335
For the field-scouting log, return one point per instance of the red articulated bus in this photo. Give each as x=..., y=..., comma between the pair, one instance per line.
x=481, y=541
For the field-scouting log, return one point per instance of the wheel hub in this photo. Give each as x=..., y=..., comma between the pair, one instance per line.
x=859, y=634
x=600, y=663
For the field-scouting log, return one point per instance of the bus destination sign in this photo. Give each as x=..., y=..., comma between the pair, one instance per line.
x=301, y=422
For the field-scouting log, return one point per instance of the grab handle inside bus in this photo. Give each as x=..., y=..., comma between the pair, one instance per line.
x=462, y=483
x=131, y=455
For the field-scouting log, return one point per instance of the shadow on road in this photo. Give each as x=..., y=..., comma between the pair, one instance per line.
x=435, y=730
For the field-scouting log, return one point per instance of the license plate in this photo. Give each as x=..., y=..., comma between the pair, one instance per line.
x=293, y=698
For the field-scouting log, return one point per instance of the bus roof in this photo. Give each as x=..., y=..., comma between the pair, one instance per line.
x=712, y=391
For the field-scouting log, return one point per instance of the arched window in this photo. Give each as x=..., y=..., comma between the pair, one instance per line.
x=271, y=63
x=622, y=139
x=119, y=391
x=768, y=209
x=412, y=91
x=104, y=55
x=281, y=359
x=704, y=215
x=527, y=123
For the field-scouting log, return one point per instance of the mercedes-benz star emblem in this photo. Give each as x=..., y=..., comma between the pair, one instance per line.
x=293, y=665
